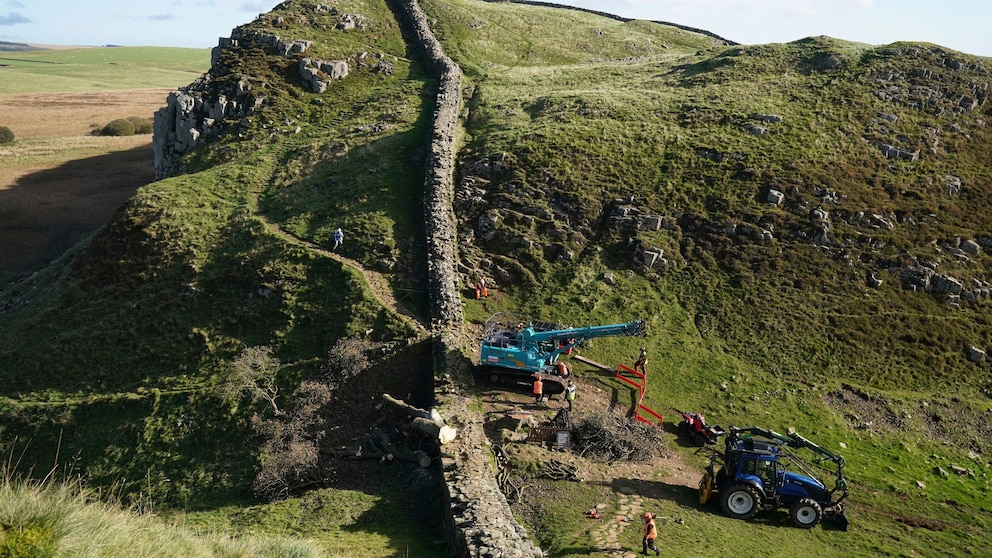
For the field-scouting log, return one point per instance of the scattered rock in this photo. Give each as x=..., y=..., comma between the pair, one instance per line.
x=976, y=355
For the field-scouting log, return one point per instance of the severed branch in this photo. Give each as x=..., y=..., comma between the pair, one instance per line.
x=426, y=422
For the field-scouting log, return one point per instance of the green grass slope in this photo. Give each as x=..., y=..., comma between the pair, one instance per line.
x=577, y=129
x=114, y=358
x=765, y=314
x=47, y=520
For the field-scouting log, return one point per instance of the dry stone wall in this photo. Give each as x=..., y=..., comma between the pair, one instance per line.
x=480, y=521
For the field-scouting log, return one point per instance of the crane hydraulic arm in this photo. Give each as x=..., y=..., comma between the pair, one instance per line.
x=575, y=336
x=513, y=349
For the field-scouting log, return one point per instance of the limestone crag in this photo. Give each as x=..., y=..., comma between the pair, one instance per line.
x=195, y=111
x=312, y=70
x=198, y=110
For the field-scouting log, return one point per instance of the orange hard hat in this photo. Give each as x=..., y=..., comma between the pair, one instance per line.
x=647, y=515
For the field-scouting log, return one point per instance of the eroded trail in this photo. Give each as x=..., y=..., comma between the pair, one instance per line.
x=377, y=282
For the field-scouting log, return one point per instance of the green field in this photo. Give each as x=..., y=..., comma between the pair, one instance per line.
x=99, y=69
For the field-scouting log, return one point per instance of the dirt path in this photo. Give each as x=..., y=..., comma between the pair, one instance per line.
x=377, y=282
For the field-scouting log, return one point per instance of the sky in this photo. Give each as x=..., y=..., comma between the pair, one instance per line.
x=964, y=25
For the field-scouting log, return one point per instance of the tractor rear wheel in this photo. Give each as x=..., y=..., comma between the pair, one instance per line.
x=740, y=501
x=805, y=513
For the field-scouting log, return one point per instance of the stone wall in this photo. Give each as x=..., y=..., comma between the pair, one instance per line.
x=480, y=521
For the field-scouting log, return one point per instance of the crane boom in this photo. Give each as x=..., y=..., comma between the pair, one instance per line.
x=530, y=346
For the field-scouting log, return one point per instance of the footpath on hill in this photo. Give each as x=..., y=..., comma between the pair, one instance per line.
x=377, y=282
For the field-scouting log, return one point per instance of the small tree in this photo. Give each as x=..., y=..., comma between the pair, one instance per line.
x=291, y=449
x=6, y=136
x=254, y=371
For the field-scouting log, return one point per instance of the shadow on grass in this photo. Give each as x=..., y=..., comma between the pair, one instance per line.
x=46, y=212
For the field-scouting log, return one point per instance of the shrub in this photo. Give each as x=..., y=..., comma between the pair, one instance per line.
x=6, y=136
x=119, y=127
x=141, y=125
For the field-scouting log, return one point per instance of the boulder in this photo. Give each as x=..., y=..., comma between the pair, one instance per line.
x=976, y=355
x=775, y=197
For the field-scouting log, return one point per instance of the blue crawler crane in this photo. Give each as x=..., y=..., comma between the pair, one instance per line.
x=515, y=349
x=754, y=476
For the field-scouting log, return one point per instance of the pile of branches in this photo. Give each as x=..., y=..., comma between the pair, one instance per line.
x=608, y=437
x=558, y=470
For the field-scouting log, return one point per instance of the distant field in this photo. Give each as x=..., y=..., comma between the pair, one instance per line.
x=100, y=69
x=31, y=115
x=58, y=182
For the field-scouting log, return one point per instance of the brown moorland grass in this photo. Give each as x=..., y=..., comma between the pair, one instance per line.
x=76, y=113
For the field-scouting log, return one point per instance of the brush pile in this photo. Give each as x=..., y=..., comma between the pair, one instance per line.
x=608, y=437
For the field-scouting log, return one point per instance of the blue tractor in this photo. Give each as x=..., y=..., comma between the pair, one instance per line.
x=515, y=349
x=755, y=475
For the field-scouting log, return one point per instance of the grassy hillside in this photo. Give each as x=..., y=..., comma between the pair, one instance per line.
x=120, y=349
x=46, y=520
x=579, y=132
x=757, y=318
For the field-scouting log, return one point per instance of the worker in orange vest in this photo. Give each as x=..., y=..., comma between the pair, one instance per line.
x=650, y=534
x=480, y=289
x=538, y=389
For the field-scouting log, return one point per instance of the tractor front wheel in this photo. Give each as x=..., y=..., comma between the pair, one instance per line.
x=805, y=513
x=740, y=501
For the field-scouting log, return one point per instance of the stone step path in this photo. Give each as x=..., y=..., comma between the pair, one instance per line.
x=607, y=534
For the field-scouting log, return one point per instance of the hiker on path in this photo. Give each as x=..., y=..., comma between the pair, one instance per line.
x=338, y=239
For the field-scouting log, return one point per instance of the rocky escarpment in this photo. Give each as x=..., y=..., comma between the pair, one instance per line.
x=222, y=98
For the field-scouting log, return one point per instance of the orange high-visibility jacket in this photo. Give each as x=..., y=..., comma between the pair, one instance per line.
x=649, y=530
x=538, y=386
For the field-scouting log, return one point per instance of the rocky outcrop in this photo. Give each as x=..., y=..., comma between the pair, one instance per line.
x=198, y=110
x=194, y=112
x=313, y=71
